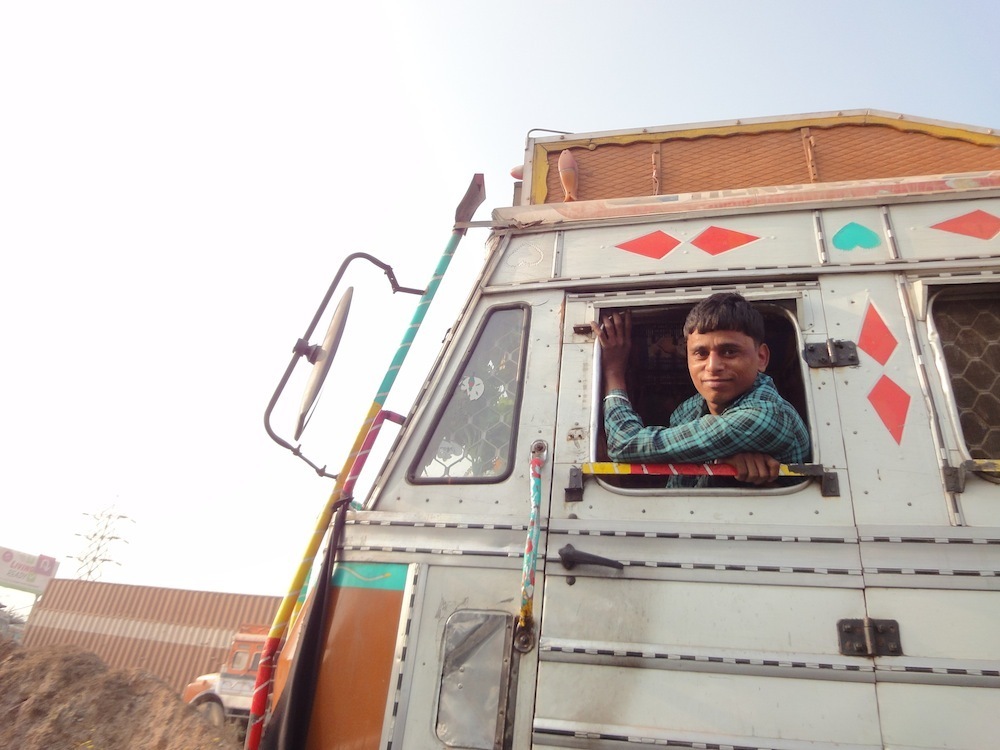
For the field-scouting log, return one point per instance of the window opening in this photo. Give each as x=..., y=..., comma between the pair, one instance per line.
x=658, y=380
x=968, y=329
x=473, y=439
x=240, y=661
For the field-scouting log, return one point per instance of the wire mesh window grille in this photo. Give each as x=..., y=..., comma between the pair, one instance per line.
x=474, y=436
x=968, y=328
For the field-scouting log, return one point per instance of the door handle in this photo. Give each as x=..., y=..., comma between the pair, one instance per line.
x=570, y=557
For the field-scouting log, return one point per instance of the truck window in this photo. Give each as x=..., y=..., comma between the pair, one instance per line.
x=240, y=660
x=473, y=437
x=967, y=328
x=658, y=380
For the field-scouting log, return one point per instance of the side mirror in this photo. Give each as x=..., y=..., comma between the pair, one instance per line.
x=321, y=358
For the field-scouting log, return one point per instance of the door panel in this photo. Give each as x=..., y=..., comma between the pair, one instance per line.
x=611, y=702
x=894, y=470
x=936, y=716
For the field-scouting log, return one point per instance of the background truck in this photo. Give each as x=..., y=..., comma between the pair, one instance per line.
x=226, y=694
x=502, y=585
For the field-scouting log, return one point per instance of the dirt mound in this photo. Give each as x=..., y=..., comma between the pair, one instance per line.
x=56, y=697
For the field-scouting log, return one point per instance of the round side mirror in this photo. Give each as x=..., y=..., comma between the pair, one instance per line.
x=322, y=358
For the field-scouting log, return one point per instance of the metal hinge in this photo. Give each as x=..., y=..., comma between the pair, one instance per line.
x=831, y=354
x=869, y=637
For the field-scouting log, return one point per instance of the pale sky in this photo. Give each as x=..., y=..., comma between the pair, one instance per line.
x=180, y=181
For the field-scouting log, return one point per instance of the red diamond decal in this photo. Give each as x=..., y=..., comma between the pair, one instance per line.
x=876, y=339
x=716, y=240
x=891, y=403
x=977, y=224
x=655, y=245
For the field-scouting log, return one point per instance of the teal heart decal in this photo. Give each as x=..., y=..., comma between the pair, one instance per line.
x=855, y=235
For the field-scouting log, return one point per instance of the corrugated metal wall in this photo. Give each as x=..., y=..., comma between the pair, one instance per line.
x=171, y=633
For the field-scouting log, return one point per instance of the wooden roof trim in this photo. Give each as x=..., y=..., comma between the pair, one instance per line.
x=943, y=130
x=807, y=196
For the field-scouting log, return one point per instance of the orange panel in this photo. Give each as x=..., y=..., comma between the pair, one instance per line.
x=355, y=674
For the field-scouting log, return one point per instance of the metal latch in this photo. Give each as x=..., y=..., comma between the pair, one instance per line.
x=869, y=637
x=954, y=476
x=831, y=354
x=574, y=492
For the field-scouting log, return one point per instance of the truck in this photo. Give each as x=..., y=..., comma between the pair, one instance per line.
x=503, y=585
x=225, y=695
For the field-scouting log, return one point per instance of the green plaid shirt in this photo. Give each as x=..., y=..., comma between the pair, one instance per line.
x=759, y=421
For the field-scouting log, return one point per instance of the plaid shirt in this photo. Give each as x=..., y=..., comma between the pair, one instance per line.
x=759, y=421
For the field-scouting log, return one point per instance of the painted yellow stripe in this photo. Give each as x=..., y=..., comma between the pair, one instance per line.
x=680, y=469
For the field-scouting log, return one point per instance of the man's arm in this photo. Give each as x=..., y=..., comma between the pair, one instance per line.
x=758, y=427
x=630, y=440
x=615, y=337
x=754, y=468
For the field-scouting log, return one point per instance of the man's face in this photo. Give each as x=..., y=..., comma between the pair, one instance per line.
x=723, y=365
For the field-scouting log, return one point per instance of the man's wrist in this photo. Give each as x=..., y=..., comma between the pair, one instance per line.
x=617, y=393
x=613, y=382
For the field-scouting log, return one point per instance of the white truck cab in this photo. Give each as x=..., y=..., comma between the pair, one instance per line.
x=504, y=585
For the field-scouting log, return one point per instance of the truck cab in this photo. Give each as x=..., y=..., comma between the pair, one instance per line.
x=226, y=694
x=504, y=585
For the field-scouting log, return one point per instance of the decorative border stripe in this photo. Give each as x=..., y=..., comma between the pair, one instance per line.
x=926, y=540
x=437, y=524
x=703, y=537
x=944, y=670
x=666, y=656
x=740, y=568
x=434, y=551
x=409, y=607
x=932, y=572
x=541, y=734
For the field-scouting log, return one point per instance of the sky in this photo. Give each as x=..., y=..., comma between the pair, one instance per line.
x=179, y=183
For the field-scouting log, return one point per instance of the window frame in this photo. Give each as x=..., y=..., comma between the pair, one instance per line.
x=928, y=292
x=786, y=303
x=413, y=470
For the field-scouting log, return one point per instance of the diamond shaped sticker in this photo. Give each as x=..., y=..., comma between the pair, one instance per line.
x=875, y=338
x=978, y=224
x=654, y=245
x=716, y=240
x=891, y=404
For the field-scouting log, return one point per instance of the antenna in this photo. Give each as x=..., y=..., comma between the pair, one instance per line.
x=99, y=539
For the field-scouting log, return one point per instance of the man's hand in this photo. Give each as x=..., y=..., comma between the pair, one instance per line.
x=754, y=468
x=615, y=335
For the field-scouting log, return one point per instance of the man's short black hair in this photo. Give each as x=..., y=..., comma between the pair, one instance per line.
x=725, y=311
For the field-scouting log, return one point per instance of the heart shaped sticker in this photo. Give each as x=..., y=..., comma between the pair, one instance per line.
x=854, y=235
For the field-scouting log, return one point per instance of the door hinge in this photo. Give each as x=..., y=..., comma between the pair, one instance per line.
x=831, y=354
x=869, y=637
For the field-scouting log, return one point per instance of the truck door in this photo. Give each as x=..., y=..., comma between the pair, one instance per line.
x=927, y=532
x=706, y=617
